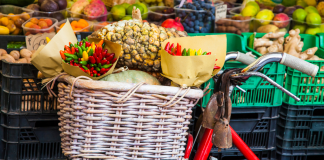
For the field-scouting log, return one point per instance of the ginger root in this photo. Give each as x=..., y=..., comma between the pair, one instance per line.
x=308, y=54
x=262, y=42
x=275, y=35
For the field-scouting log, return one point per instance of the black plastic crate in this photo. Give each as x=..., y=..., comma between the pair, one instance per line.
x=21, y=91
x=303, y=112
x=255, y=125
x=299, y=154
x=84, y=35
x=6, y=39
x=261, y=154
x=303, y=131
x=30, y=137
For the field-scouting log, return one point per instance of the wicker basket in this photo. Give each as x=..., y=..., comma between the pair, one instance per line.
x=111, y=3
x=106, y=120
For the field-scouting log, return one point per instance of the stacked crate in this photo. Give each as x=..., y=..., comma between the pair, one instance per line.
x=29, y=122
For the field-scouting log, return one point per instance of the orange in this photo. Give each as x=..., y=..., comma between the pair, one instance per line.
x=61, y=26
x=34, y=20
x=28, y=24
x=74, y=23
x=78, y=29
x=49, y=22
x=82, y=23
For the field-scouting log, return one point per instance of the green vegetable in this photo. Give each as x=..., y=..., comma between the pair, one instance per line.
x=98, y=69
x=71, y=56
x=83, y=62
x=106, y=66
x=80, y=52
x=68, y=59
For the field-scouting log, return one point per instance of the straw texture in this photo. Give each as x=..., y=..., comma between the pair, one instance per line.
x=125, y=124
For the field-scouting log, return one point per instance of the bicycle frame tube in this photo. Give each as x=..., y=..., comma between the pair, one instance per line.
x=206, y=145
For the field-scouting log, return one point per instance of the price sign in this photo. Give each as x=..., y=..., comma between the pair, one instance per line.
x=34, y=41
x=220, y=12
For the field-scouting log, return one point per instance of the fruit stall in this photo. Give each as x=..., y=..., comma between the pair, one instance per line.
x=162, y=79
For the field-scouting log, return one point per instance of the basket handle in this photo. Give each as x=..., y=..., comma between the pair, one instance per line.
x=75, y=80
x=129, y=93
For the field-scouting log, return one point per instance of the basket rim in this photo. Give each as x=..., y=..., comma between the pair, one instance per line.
x=123, y=87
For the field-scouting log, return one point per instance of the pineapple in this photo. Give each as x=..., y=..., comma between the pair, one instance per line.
x=140, y=41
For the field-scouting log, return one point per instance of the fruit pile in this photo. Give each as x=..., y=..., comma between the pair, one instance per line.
x=197, y=17
x=80, y=25
x=95, y=10
x=42, y=25
x=91, y=58
x=49, y=8
x=265, y=21
x=160, y=14
x=12, y=23
x=307, y=20
x=124, y=11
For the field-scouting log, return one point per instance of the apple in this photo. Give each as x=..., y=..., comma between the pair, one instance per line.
x=281, y=20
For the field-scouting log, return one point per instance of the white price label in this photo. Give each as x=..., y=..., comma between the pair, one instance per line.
x=220, y=12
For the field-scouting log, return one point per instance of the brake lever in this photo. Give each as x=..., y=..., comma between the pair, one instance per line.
x=248, y=74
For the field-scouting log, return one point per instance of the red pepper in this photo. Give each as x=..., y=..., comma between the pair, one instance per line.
x=73, y=50
x=167, y=46
x=169, y=52
x=102, y=71
x=178, y=50
x=87, y=44
x=91, y=75
x=104, y=53
x=111, y=57
x=98, y=74
x=81, y=69
x=99, y=50
x=100, y=57
x=94, y=72
x=67, y=49
x=209, y=53
x=88, y=65
x=76, y=50
x=92, y=60
x=75, y=64
x=95, y=55
x=171, y=47
x=104, y=61
x=80, y=44
x=216, y=67
x=62, y=54
x=98, y=60
x=108, y=62
x=114, y=60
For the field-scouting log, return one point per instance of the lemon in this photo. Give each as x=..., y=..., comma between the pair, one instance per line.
x=249, y=11
x=313, y=31
x=301, y=27
x=311, y=9
x=265, y=16
x=118, y=12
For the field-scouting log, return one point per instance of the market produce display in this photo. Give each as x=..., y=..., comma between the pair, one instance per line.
x=140, y=42
x=197, y=17
x=11, y=23
x=235, y=24
x=78, y=25
x=157, y=15
x=292, y=44
x=93, y=10
x=124, y=11
x=307, y=20
x=265, y=19
x=173, y=23
x=22, y=56
x=99, y=25
x=49, y=8
x=39, y=25
x=90, y=57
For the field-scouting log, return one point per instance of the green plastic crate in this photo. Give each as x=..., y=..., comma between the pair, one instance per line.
x=321, y=40
x=309, y=89
x=258, y=91
x=309, y=41
x=236, y=41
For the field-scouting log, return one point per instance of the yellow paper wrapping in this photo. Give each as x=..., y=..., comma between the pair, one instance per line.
x=194, y=70
x=47, y=59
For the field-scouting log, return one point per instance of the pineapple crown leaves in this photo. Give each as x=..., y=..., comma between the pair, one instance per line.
x=136, y=14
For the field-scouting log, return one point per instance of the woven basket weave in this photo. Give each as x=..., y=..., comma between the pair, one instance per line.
x=107, y=120
x=111, y=3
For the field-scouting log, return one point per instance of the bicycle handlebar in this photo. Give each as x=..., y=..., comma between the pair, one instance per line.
x=285, y=59
x=300, y=65
x=241, y=57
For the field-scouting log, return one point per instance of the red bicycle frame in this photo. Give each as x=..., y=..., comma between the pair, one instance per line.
x=206, y=145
